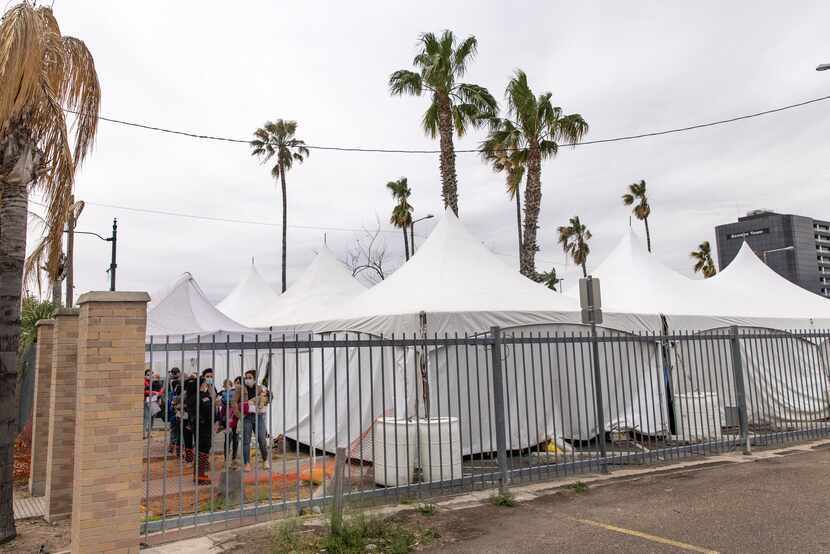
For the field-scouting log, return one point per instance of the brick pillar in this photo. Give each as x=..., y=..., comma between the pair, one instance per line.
x=108, y=439
x=61, y=448
x=40, y=407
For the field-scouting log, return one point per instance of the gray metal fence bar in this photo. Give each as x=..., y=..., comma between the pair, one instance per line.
x=740, y=392
x=498, y=408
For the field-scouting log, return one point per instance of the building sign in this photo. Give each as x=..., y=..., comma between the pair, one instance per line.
x=752, y=233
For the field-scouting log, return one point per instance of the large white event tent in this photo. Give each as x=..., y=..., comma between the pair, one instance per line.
x=325, y=285
x=245, y=302
x=461, y=287
x=182, y=313
x=747, y=293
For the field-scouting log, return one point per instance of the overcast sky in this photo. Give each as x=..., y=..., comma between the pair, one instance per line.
x=223, y=68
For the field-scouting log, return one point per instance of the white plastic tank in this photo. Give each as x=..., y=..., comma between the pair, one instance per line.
x=395, y=451
x=440, y=439
x=698, y=416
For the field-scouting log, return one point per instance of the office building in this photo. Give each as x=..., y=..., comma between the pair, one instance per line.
x=796, y=247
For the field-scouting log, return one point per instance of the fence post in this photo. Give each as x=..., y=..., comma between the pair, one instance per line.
x=337, y=497
x=740, y=390
x=603, y=449
x=108, y=445
x=498, y=408
x=41, y=405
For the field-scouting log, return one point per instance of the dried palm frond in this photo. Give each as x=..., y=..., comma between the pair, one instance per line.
x=41, y=73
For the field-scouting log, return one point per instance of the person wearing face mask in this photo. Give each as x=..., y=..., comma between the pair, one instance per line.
x=200, y=396
x=229, y=419
x=172, y=396
x=252, y=402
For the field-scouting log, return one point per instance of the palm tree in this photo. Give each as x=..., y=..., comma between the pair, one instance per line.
x=276, y=138
x=703, y=260
x=505, y=157
x=402, y=212
x=637, y=193
x=540, y=127
x=549, y=279
x=574, y=239
x=41, y=72
x=454, y=106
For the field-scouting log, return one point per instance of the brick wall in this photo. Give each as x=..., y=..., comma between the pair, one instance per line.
x=40, y=407
x=108, y=439
x=61, y=444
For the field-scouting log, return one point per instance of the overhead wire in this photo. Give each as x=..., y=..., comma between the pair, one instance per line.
x=466, y=150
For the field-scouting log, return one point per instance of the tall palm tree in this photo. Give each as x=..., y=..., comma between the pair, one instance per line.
x=402, y=212
x=454, y=106
x=703, y=260
x=540, y=128
x=276, y=138
x=574, y=239
x=41, y=71
x=637, y=193
x=501, y=150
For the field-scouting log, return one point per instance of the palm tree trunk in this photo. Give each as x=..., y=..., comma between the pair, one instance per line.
x=648, y=234
x=20, y=162
x=533, y=203
x=519, y=225
x=405, y=243
x=584, y=271
x=13, y=210
x=284, y=224
x=56, y=292
x=412, y=238
x=449, y=179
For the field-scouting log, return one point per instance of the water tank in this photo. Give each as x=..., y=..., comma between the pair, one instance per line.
x=395, y=451
x=440, y=439
x=698, y=416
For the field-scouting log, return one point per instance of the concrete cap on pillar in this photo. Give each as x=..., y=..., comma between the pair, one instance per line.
x=117, y=296
x=67, y=312
x=45, y=322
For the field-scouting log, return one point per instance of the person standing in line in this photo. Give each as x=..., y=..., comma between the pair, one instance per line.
x=252, y=402
x=200, y=397
x=173, y=394
x=230, y=418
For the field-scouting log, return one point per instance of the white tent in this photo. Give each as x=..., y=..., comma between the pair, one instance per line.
x=183, y=309
x=325, y=285
x=245, y=302
x=461, y=287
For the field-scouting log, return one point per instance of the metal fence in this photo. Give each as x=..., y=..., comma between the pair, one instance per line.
x=425, y=416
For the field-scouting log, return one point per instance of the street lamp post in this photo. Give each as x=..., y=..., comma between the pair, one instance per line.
x=765, y=252
x=412, y=229
x=112, y=240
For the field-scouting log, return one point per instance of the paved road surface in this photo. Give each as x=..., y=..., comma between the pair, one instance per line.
x=776, y=505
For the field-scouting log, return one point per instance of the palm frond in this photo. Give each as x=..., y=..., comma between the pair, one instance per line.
x=429, y=123
x=404, y=81
x=465, y=52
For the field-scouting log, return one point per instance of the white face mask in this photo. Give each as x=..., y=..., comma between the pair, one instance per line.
x=209, y=380
x=249, y=382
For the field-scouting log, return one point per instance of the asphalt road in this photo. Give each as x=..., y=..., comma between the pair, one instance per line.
x=777, y=505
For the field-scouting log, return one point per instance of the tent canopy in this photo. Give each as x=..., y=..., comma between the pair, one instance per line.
x=746, y=292
x=183, y=309
x=324, y=285
x=245, y=302
x=460, y=285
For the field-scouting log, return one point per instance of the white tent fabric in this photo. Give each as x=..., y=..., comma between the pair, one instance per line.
x=462, y=288
x=245, y=302
x=746, y=292
x=325, y=285
x=183, y=309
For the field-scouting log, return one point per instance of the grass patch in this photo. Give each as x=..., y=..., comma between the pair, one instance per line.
x=356, y=535
x=408, y=500
x=578, y=487
x=426, y=509
x=505, y=500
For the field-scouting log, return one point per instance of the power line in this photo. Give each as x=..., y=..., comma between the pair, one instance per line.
x=225, y=219
x=469, y=150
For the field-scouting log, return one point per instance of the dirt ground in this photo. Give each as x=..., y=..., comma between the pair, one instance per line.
x=32, y=534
